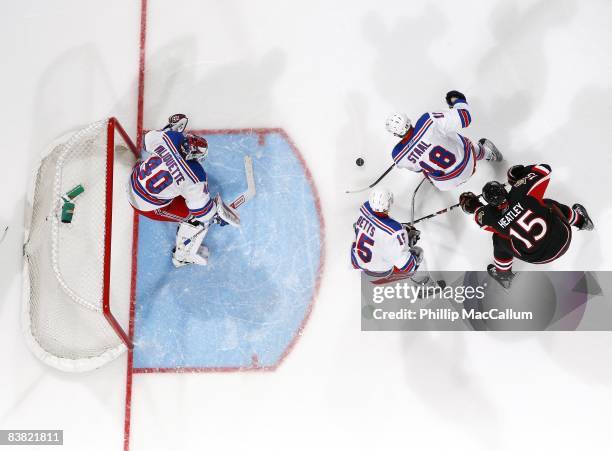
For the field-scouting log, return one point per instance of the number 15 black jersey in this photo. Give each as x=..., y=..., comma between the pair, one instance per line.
x=533, y=226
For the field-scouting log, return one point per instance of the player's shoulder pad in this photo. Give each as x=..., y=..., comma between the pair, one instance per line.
x=385, y=223
x=197, y=169
x=543, y=169
x=176, y=138
x=464, y=114
x=151, y=133
x=150, y=138
x=395, y=225
x=421, y=122
x=399, y=147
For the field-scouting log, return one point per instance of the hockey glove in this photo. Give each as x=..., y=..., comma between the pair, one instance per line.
x=452, y=97
x=177, y=122
x=413, y=235
x=469, y=202
x=515, y=173
x=419, y=254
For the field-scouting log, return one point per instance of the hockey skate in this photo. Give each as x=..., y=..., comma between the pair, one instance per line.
x=588, y=223
x=504, y=278
x=423, y=278
x=426, y=283
x=493, y=153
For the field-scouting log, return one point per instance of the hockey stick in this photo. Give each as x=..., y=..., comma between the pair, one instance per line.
x=439, y=212
x=413, y=199
x=445, y=210
x=4, y=234
x=250, y=192
x=242, y=198
x=348, y=191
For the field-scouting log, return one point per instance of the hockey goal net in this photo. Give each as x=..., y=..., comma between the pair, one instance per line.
x=75, y=315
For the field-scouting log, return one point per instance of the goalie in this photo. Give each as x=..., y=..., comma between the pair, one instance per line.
x=170, y=184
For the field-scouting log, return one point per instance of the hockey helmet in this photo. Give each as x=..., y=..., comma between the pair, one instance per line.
x=194, y=147
x=398, y=124
x=381, y=200
x=494, y=193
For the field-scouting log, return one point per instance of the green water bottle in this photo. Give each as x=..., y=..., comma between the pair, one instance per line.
x=68, y=206
x=74, y=192
x=67, y=212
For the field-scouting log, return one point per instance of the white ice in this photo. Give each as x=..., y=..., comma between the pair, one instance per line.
x=539, y=77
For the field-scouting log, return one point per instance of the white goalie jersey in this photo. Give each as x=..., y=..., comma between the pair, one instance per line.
x=166, y=175
x=435, y=148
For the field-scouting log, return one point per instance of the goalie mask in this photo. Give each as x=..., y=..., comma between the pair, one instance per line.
x=194, y=148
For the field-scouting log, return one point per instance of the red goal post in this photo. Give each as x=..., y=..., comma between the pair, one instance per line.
x=78, y=250
x=112, y=127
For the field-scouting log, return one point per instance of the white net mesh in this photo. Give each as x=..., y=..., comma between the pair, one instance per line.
x=64, y=262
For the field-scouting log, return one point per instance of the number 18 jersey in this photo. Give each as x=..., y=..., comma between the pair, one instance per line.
x=435, y=148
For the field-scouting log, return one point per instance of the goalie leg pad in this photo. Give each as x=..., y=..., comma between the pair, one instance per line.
x=189, y=247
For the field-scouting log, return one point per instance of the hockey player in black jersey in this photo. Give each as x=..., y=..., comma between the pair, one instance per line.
x=525, y=225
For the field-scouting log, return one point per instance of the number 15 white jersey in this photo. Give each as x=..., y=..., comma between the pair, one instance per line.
x=381, y=244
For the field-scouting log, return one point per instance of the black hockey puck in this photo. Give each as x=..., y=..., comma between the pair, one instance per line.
x=359, y=161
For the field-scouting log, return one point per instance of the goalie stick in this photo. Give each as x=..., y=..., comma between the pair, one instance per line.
x=250, y=192
x=242, y=198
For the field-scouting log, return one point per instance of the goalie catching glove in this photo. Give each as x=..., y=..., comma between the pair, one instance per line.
x=177, y=122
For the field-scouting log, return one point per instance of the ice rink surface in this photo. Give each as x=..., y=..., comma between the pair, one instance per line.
x=538, y=77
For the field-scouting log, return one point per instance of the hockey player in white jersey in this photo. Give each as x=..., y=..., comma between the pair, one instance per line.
x=171, y=185
x=382, y=246
x=434, y=147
